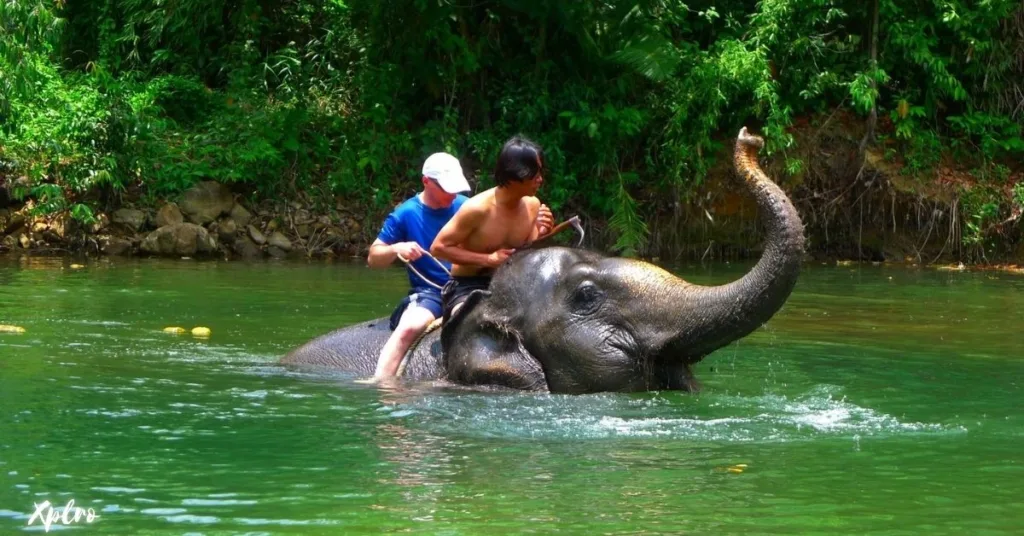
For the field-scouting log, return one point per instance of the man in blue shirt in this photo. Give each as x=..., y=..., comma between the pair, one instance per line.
x=408, y=233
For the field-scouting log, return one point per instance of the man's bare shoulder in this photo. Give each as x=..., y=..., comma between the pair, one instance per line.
x=479, y=201
x=532, y=202
x=472, y=211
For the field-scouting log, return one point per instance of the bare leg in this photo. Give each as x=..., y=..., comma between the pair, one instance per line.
x=414, y=320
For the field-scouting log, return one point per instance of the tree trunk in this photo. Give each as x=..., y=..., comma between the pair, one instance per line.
x=869, y=136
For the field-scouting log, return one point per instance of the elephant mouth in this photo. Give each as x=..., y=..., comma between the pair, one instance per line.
x=663, y=366
x=673, y=352
x=670, y=366
x=621, y=345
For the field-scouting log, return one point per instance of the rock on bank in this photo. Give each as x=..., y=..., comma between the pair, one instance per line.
x=208, y=220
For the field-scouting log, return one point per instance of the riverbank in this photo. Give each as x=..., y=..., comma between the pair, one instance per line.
x=208, y=220
x=213, y=221
x=855, y=206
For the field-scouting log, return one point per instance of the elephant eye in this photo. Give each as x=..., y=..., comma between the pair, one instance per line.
x=586, y=298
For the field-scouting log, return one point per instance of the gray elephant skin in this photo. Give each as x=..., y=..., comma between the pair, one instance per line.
x=565, y=320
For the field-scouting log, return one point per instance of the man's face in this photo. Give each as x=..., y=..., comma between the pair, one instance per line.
x=538, y=180
x=437, y=193
x=533, y=185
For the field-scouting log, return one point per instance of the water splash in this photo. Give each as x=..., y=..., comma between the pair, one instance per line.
x=714, y=418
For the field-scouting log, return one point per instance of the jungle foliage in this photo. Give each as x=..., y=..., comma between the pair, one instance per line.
x=632, y=100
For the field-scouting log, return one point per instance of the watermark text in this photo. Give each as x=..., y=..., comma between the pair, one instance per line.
x=47, y=515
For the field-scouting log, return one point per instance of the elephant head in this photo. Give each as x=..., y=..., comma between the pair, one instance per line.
x=574, y=321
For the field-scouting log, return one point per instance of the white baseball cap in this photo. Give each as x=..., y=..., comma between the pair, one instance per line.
x=446, y=170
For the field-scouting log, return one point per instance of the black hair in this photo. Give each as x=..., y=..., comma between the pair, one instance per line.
x=520, y=160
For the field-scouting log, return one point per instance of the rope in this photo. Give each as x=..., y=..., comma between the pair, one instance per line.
x=417, y=272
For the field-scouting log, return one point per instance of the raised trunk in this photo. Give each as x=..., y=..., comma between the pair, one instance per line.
x=713, y=317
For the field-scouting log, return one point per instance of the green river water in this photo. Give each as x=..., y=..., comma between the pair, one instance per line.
x=880, y=400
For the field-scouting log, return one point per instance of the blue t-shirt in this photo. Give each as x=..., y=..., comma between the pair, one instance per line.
x=414, y=221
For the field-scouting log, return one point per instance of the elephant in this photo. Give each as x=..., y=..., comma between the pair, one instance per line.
x=568, y=320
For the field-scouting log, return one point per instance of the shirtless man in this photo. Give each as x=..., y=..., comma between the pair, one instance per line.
x=491, y=224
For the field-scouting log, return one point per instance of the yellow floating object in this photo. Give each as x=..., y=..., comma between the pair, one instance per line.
x=77, y=266
x=735, y=468
x=6, y=328
x=200, y=332
x=174, y=330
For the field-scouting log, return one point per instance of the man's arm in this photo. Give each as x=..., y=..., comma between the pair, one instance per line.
x=391, y=242
x=448, y=244
x=381, y=254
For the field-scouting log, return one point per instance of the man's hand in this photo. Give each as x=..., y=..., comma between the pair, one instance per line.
x=495, y=259
x=409, y=251
x=545, y=220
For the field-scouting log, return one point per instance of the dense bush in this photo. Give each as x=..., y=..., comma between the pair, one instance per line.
x=632, y=100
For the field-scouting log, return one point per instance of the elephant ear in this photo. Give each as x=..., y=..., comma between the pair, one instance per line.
x=480, y=348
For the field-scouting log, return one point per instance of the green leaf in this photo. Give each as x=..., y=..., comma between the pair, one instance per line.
x=652, y=56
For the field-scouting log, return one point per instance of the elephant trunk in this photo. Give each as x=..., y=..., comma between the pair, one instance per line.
x=713, y=317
